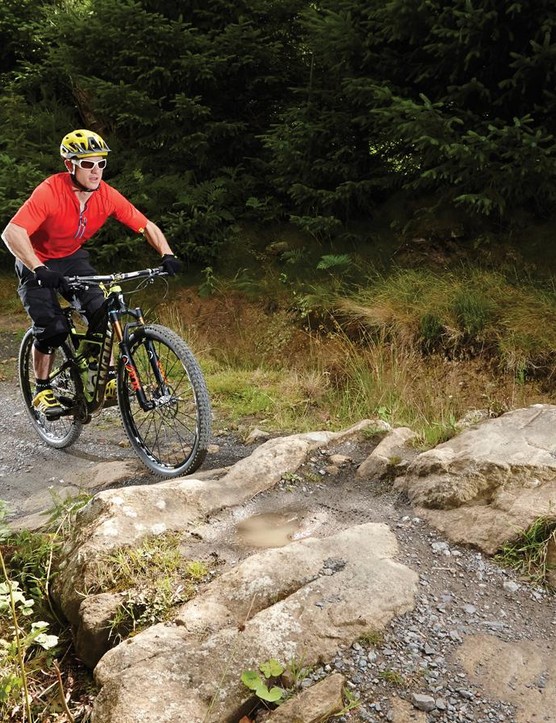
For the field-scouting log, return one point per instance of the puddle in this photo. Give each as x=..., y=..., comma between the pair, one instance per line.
x=270, y=529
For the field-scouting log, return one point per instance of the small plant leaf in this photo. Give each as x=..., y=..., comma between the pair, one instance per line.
x=271, y=696
x=271, y=668
x=251, y=679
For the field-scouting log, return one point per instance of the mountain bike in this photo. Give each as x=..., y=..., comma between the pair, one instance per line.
x=161, y=393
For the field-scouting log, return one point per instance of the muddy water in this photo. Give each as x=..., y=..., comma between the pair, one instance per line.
x=270, y=529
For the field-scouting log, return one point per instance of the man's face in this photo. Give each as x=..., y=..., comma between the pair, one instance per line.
x=88, y=171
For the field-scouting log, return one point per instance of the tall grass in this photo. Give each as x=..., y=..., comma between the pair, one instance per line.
x=416, y=348
x=463, y=313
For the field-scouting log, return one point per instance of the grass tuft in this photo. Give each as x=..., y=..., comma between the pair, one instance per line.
x=530, y=555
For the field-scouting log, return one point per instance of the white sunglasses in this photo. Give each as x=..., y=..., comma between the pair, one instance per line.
x=87, y=164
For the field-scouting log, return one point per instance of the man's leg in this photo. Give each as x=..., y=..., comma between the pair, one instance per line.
x=44, y=400
x=42, y=364
x=50, y=327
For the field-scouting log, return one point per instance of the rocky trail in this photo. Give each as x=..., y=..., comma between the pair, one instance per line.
x=476, y=644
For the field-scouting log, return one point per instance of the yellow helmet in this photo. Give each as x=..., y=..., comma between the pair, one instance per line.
x=82, y=143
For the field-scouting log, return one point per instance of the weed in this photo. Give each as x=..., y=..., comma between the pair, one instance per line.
x=331, y=261
x=437, y=432
x=62, y=513
x=473, y=311
x=273, y=682
x=30, y=680
x=153, y=578
x=291, y=477
x=295, y=673
x=372, y=637
x=350, y=702
x=431, y=329
x=312, y=477
x=196, y=570
x=528, y=555
x=263, y=685
x=392, y=677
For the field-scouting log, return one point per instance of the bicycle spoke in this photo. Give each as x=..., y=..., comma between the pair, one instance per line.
x=168, y=436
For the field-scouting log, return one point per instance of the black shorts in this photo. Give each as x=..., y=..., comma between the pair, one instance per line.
x=42, y=304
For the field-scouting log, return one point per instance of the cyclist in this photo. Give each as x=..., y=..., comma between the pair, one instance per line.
x=47, y=235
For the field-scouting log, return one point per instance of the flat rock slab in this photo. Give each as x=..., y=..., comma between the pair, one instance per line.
x=295, y=603
x=521, y=673
x=490, y=483
x=126, y=516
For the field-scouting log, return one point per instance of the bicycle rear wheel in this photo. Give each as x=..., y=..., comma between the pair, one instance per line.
x=65, y=430
x=171, y=438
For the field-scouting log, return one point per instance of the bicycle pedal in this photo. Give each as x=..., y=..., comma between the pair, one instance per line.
x=66, y=401
x=52, y=414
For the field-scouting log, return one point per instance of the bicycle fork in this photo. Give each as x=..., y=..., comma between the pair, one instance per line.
x=127, y=358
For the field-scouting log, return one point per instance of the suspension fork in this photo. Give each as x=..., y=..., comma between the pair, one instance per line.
x=122, y=334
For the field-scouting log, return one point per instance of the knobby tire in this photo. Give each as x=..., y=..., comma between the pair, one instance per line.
x=171, y=439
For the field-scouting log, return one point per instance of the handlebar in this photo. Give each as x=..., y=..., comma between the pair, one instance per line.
x=77, y=281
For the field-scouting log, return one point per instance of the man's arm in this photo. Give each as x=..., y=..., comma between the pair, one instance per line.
x=157, y=239
x=18, y=242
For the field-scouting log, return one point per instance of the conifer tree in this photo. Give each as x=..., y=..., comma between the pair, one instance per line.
x=453, y=101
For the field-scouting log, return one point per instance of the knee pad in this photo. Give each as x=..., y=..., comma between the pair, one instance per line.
x=50, y=333
x=47, y=346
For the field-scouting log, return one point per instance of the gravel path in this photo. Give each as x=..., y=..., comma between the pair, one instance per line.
x=414, y=670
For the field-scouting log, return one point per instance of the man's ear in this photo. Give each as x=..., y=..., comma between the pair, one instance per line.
x=69, y=165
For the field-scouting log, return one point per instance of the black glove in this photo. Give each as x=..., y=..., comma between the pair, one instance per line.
x=50, y=279
x=171, y=264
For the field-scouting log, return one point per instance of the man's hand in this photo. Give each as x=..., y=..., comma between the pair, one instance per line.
x=50, y=279
x=171, y=264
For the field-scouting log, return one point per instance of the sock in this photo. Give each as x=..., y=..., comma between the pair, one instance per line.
x=41, y=385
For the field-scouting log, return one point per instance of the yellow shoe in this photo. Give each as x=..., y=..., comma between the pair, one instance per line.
x=46, y=403
x=110, y=393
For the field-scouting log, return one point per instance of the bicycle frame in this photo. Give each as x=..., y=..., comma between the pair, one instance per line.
x=117, y=308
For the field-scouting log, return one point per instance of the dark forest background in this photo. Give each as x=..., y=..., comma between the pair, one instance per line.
x=316, y=114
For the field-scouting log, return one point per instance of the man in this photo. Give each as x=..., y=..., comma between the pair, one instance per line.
x=46, y=236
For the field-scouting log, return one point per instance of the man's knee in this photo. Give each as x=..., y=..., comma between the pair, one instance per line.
x=50, y=333
x=48, y=344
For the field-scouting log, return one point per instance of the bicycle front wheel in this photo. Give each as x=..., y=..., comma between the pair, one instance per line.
x=171, y=438
x=65, y=430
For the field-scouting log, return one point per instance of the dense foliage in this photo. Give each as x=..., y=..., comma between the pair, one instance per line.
x=268, y=110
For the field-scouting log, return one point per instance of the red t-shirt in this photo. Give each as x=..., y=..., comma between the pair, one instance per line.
x=56, y=226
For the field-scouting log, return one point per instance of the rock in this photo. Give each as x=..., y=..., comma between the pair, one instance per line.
x=256, y=436
x=276, y=604
x=491, y=482
x=313, y=705
x=92, y=636
x=339, y=460
x=471, y=418
x=127, y=515
x=107, y=474
x=513, y=671
x=401, y=711
x=510, y=586
x=389, y=455
x=423, y=702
